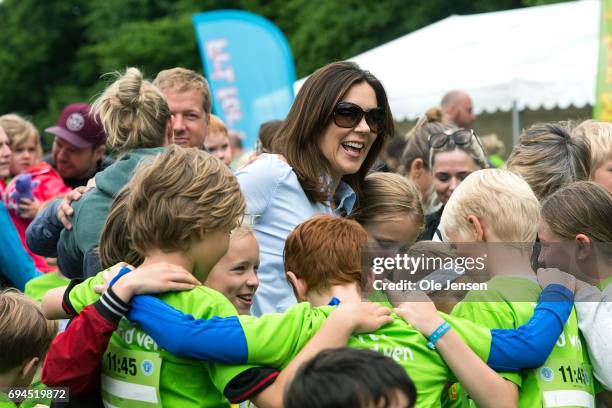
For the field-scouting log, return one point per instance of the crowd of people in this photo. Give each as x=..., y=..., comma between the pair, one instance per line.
x=149, y=261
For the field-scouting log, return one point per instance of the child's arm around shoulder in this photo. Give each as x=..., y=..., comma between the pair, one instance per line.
x=484, y=385
x=363, y=317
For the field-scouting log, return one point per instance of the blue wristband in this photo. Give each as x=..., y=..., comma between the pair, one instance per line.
x=435, y=336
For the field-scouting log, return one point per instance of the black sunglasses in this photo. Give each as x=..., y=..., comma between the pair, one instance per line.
x=348, y=115
x=459, y=136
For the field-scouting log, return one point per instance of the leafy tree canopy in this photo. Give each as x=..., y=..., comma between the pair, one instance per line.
x=53, y=52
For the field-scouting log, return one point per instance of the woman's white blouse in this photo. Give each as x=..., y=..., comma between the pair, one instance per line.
x=276, y=202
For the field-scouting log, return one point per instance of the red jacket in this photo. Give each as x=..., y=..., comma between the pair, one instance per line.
x=50, y=185
x=74, y=359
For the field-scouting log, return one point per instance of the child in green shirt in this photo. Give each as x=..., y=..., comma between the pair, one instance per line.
x=494, y=214
x=177, y=211
x=275, y=339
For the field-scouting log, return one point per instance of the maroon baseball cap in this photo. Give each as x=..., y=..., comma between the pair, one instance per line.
x=77, y=127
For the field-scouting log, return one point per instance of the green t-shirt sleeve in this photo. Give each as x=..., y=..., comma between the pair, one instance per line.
x=83, y=294
x=276, y=338
x=273, y=340
x=476, y=336
x=489, y=315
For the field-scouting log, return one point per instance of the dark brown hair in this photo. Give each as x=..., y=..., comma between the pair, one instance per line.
x=299, y=137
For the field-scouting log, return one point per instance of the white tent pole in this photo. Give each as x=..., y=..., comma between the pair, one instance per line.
x=516, y=123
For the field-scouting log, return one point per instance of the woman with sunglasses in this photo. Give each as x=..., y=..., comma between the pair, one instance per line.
x=453, y=155
x=331, y=137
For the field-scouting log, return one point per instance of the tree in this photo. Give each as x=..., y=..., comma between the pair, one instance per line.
x=53, y=52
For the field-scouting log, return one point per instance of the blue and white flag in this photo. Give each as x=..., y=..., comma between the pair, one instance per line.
x=249, y=66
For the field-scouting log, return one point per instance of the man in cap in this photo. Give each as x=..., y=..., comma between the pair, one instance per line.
x=78, y=148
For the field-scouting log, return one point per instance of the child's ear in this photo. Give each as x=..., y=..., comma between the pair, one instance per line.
x=28, y=369
x=583, y=246
x=299, y=286
x=477, y=228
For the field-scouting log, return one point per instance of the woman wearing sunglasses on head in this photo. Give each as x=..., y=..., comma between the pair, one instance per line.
x=331, y=137
x=453, y=155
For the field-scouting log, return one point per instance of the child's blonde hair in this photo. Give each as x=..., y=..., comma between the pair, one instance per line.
x=387, y=196
x=24, y=331
x=133, y=112
x=19, y=130
x=599, y=136
x=172, y=200
x=501, y=198
x=245, y=228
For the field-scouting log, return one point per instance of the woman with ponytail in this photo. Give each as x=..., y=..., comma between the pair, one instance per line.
x=137, y=120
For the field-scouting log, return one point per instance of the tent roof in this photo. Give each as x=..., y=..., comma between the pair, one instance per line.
x=540, y=57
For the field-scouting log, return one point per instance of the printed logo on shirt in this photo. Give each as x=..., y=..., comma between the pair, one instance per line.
x=547, y=374
x=147, y=367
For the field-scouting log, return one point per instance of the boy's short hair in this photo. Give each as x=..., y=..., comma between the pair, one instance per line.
x=184, y=80
x=24, y=331
x=599, y=136
x=548, y=158
x=172, y=200
x=360, y=378
x=326, y=251
x=216, y=125
x=500, y=197
x=19, y=130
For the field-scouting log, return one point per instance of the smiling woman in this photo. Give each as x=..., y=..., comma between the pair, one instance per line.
x=334, y=131
x=453, y=155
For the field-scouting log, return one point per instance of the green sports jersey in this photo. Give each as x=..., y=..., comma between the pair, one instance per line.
x=275, y=339
x=565, y=379
x=138, y=373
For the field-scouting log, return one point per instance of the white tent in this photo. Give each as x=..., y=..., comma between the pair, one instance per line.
x=535, y=57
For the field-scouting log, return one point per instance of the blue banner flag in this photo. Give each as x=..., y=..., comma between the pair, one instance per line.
x=249, y=66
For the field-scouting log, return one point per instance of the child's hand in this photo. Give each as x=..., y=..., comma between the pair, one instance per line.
x=155, y=278
x=420, y=312
x=548, y=276
x=365, y=317
x=108, y=276
x=28, y=208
